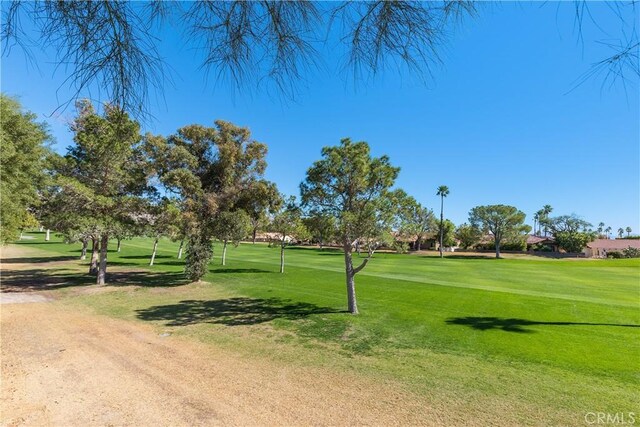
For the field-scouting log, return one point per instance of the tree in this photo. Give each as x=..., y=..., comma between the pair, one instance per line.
x=287, y=223
x=103, y=176
x=350, y=185
x=231, y=227
x=260, y=199
x=22, y=165
x=620, y=232
x=322, y=228
x=162, y=219
x=543, y=215
x=211, y=169
x=448, y=233
x=443, y=191
x=600, y=229
x=414, y=219
x=468, y=235
x=570, y=232
x=502, y=221
x=112, y=45
x=628, y=230
x=608, y=232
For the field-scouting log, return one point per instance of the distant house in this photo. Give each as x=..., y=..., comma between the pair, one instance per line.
x=599, y=248
x=271, y=237
x=535, y=242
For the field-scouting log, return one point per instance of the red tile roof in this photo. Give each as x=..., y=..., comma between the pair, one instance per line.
x=532, y=240
x=613, y=244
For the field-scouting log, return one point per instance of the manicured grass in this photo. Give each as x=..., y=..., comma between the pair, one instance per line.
x=554, y=335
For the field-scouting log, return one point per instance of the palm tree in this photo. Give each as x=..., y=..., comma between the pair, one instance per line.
x=443, y=191
x=628, y=230
x=620, y=232
x=600, y=229
x=546, y=210
x=608, y=231
x=536, y=217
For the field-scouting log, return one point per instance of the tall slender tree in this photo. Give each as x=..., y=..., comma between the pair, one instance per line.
x=287, y=224
x=628, y=230
x=443, y=191
x=353, y=187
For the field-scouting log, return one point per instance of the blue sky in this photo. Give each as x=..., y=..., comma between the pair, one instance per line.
x=498, y=122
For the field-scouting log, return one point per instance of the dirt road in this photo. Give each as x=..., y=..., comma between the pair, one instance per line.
x=65, y=368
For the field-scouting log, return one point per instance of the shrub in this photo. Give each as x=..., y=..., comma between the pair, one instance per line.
x=199, y=253
x=615, y=255
x=401, y=247
x=631, y=252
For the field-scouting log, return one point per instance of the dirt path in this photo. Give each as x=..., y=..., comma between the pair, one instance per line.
x=64, y=368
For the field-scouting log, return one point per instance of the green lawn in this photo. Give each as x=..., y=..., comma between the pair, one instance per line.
x=546, y=340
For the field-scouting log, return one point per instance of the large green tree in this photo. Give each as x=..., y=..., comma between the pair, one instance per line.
x=414, y=220
x=570, y=232
x=321, y=227
x=102, y=178
x=502, y=221
x=211, y=169
x=22, y=166
x=353, y=187
x=468, y=235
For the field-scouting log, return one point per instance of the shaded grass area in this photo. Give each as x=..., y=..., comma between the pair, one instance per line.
x=538, y=329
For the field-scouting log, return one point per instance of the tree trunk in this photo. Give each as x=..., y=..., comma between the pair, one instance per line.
x=21, y=233
x=418, y=244
x=155, y=250
x=282, y=256
x=83, y=254
x=441, y=223
x=118, y=249
x=180, y=249
x=102, y=269
x=41, y=228
x=321, y=244
x=497, y=249
x=224, y=253
x=95, y=248
x=48, y=235
x=351, y=285
x=255, y=231
x=357, y=248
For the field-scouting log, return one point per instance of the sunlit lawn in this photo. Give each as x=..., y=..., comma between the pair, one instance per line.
x=557, y=336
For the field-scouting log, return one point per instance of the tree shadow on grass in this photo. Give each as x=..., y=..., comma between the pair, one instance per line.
x=38, y=279
x=232, y=311
x=518, y=325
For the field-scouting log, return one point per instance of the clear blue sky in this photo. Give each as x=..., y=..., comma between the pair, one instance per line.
x=497, y=123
